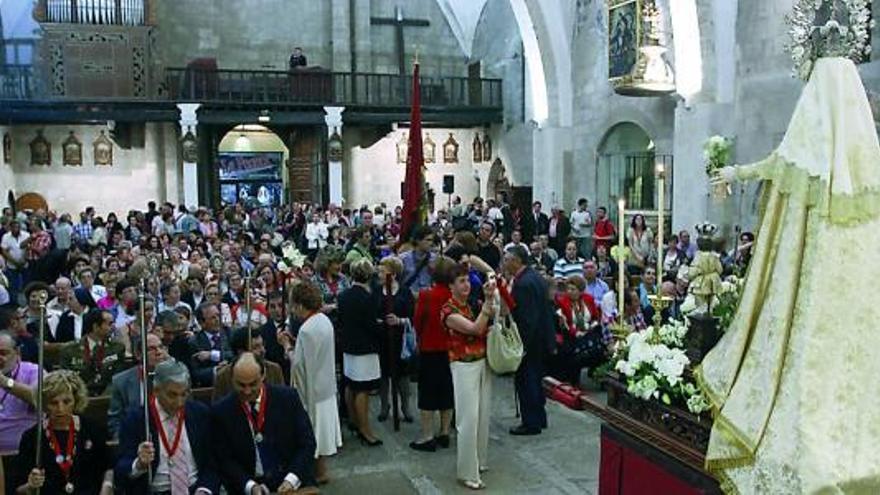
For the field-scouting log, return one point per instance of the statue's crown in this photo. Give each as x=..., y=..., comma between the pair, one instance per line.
x=706, y=229
x=828, y=28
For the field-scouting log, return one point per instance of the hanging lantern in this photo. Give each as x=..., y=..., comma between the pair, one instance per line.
x=334, y=146
x=637, y=56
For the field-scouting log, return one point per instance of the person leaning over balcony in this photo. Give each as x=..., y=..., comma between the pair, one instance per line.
x=297, y=59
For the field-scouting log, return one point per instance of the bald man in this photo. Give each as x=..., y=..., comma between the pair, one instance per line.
x=264, y=433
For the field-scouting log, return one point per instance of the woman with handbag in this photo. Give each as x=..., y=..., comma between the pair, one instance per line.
x=397, y=314
x=470, y=374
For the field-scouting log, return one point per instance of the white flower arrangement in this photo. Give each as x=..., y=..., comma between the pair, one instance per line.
x=724, y=303
x=653, y=363
x=716, y=154
x=291, y=258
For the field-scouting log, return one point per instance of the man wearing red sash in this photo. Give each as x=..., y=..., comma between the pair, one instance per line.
x=262, y=434
x=179, y=451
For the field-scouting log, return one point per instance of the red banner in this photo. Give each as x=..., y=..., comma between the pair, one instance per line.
x=414, y=203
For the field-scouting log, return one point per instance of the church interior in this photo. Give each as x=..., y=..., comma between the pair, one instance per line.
x=209, y=104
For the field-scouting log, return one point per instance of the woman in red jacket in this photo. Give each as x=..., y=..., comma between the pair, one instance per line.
x=583, y=343
x=435, y=377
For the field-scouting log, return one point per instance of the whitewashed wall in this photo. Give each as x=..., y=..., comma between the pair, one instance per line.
x=372, y=175
x=136, y=176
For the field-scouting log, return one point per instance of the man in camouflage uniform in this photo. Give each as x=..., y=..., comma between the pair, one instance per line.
x=95, y=357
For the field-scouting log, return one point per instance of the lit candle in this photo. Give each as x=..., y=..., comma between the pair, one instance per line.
x=621, y=258
x=661, y=192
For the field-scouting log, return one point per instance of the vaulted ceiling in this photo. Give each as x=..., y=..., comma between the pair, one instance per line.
x=463, y=17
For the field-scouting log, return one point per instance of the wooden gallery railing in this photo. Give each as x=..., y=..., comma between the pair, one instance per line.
x=324, y=87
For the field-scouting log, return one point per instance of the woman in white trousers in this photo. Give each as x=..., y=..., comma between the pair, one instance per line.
x=470, y=376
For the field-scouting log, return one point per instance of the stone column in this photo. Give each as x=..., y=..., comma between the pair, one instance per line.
x=189, y=121
x=551, y=155
x=333, y=119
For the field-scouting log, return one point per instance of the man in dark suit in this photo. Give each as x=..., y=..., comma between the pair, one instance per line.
x=297, y=59
x=277, y=323
x=558, y=229
x=264, y=434
x=210, y=346
x=195, y=291
x=533, y=318
x=186, y=465
x=126, y=388
x=536, y=223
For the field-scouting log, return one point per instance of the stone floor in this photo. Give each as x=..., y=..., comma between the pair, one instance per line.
x=563, y=460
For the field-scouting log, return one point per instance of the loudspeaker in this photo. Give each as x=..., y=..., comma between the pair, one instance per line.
x=448, y=184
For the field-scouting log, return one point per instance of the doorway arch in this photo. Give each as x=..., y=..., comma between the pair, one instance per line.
x=626, y=168
x=252, y=166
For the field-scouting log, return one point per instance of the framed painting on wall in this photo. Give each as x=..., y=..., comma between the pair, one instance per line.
x=7, y=149
x=72, y=153
x=41, y=150
x=103, y=148
x=430, y=150
x=402, y=147
x=189, y=147
x=478, y=148
x=487, y=148
x=450, y=150
x=624, y=33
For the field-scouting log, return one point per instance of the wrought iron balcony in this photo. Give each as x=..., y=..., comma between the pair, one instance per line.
x=17, y=82
x=303, y=88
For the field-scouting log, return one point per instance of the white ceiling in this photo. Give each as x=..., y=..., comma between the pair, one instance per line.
x=463, y=17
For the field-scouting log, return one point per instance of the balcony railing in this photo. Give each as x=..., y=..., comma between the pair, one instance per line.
x=302, y=88
x=17, y=82
x=316, y=87
x=102, y=12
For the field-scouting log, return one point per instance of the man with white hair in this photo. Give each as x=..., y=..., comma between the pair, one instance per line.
x=63, y=291
x=182, y=463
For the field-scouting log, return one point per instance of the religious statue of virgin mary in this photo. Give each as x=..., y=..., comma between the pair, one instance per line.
x=795, y=382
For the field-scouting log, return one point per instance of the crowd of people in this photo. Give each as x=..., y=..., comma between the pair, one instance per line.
x=293, y=349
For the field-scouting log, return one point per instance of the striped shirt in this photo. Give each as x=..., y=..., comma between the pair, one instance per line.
x=565, y=268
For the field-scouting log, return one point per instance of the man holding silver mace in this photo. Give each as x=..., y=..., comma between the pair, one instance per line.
x=179, y=450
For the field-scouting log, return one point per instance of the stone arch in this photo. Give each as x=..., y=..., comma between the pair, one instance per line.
x=625, y=166
x=556, y=57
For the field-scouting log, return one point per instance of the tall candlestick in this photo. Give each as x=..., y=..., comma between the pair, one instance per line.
x=661, y=193
x=621, y=256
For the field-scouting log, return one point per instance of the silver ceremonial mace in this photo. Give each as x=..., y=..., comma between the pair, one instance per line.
x=142, y=316
x=247, y=299
x=41, y=365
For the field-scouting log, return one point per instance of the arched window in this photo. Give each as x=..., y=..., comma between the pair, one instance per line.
x=626, y=169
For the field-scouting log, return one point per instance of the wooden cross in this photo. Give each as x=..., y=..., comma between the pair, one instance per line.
x=399, y=23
